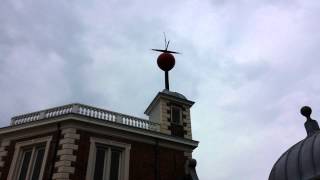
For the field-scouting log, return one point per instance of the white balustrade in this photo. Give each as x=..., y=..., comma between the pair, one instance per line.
x=88, y=111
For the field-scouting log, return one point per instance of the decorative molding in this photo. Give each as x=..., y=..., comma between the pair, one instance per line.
x=130, y=136
x=116, y=126
x=26, y=132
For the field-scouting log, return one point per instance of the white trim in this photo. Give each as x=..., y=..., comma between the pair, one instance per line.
x=26, y=132
x=75, y=121
x=13, y=172
x=131, y=137
x=125, y=157
x=72, y=117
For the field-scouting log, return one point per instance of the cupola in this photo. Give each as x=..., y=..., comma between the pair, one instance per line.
x=171, y=110
x=302, y=160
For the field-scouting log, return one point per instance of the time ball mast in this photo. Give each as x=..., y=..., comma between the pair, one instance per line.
x=166, y=61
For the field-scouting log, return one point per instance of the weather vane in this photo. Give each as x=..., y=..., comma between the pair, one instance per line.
x=166, y=60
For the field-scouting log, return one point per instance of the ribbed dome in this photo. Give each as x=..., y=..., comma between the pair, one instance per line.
x=301, y=161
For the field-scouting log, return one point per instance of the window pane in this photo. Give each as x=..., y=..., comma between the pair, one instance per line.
x=99, y=165
x=175, y=115
x=25, y=163
x=38, y=163
x=115, y=161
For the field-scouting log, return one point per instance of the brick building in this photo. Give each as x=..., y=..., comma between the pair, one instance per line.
x=77, y=141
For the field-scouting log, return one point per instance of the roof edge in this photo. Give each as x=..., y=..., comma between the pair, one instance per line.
x=121, y=127
x=169, y=97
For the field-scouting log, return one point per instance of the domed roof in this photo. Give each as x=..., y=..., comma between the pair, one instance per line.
x=301, y=161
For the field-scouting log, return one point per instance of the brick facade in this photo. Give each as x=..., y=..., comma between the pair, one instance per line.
x=70, y=138
x=70, y=160
x=142, y=159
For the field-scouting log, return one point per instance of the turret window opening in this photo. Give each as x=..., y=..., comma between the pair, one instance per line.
x=176, y=115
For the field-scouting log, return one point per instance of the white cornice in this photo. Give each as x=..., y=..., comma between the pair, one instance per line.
x=103, y=123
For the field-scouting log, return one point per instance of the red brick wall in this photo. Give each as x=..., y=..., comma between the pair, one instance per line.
x=171, y=164
x=142, y=160
x=82, y=156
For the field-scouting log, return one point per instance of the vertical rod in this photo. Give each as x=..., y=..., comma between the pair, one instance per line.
x=167, y=79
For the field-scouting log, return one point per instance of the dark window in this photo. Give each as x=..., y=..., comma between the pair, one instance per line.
x=107, y=163
x=38, y=163
x=100, y=160
x=32, y=160
x=114, y=168
x=26, y=154
x=176, y=114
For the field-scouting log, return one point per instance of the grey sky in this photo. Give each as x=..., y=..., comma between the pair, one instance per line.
x=249, y=65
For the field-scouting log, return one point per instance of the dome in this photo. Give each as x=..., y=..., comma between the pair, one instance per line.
x=302, y=160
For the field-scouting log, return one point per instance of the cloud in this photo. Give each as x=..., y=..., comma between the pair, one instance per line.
x=38, y=43
x=249, y=65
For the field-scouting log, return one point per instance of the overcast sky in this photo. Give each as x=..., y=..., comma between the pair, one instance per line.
x=248, y=64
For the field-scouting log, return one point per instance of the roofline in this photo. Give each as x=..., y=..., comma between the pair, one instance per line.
x=166, y=96
x=70, y=104
x=85, y=119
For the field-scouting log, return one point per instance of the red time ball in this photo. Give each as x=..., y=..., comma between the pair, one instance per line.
x=166, y=61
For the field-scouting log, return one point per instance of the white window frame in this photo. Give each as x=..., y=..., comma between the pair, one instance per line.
x=124, y=159
x=18, y=152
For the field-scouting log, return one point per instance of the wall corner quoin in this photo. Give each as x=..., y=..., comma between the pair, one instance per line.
x=66, y=154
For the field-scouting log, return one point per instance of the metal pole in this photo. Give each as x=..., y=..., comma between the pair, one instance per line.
x=167, y=79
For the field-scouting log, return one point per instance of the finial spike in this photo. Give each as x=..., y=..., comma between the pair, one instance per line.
x=166, y=60
x=165, y=40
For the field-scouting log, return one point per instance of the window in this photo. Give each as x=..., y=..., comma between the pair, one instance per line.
x=32, y=159
x=175, y=115
x=108, y=160
x=29, y=159
x=107, y=163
